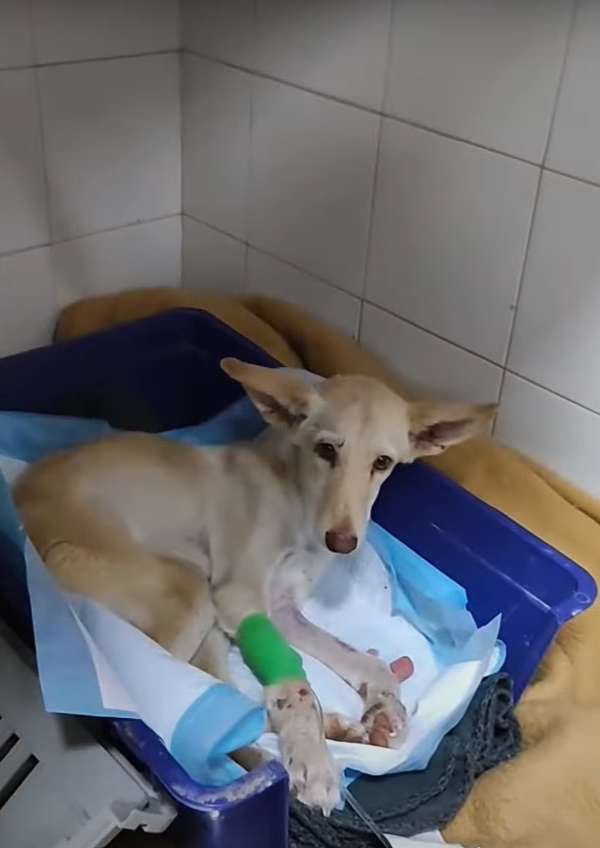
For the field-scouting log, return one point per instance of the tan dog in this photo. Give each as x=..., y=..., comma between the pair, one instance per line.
x=185, y=542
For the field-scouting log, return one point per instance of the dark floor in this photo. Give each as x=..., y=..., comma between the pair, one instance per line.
x=139, y=839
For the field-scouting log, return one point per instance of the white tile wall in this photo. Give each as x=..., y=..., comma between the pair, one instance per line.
x=436, y=365
x=338, y=47
x=449, y=233
x=222, y=29
x=212, y=259
x=575, y=140
x=67, y=30
x=16, y=46
x=28, y=300
x=23, y=220
x=311, y=181
x=113, y=158
x=216, y=144
x=397, y=178
x=332, y=154
x=147, y=254
x=482, y=70
x=86, y=147
x=215, y=260
x=557, y=432
x=556, y=341
x=270, y=275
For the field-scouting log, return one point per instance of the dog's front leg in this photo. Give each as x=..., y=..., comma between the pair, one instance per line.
x=384, y=719
x=294, y=715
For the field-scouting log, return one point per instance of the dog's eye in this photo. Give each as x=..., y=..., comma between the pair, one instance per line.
x=326, y=451
x=382, y=463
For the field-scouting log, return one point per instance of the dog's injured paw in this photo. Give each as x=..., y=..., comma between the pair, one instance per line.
x=384, y=718
x=338, y=728
x=295, y=716
x=385, y=721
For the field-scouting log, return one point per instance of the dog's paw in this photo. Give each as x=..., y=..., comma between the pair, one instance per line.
x=385, y=717
x=314, y=776
x=385, y=721
x=339, y=728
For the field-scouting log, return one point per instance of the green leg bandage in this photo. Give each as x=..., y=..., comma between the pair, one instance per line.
x=266, y=653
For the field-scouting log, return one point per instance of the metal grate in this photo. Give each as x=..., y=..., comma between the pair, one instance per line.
x=7, y=746
x=59, y=788
x=16, y=762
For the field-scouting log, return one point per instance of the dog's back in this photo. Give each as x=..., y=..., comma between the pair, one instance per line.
x=98, y=517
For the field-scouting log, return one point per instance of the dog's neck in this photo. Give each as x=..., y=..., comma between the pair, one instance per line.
x=302, y=562
x=284, y=460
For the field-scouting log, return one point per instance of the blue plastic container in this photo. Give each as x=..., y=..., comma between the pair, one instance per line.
x=166, y=369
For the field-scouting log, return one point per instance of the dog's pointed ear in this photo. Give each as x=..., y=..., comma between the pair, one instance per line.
x=437, y=426
x=282, y=400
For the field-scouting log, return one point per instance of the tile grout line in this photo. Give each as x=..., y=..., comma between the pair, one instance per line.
x=125, y=226
x=117, y=57
x=40, y=124
x=248, y=197
x=370, y=222
x=561, y=77
x=334, y=286
x=359, y=106
x=32, y=39
x=44, y=157
x=434, y=335
x=214, y=227
x=371, y=214
x=181, y=147
x=181, y=15
x=554, y=393
x=565, y=176
x=386, y=115
x=513, y=323
x=48, y=244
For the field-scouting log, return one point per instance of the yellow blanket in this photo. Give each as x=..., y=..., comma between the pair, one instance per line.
x=549, y=796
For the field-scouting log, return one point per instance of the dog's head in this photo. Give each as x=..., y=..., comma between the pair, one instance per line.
x=350, y=432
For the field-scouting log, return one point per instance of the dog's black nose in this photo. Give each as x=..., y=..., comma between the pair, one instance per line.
x=340, y=543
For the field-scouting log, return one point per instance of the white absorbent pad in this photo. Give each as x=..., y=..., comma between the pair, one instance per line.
x=354, y=602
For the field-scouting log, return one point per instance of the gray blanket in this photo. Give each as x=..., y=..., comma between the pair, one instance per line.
x=410, y=803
